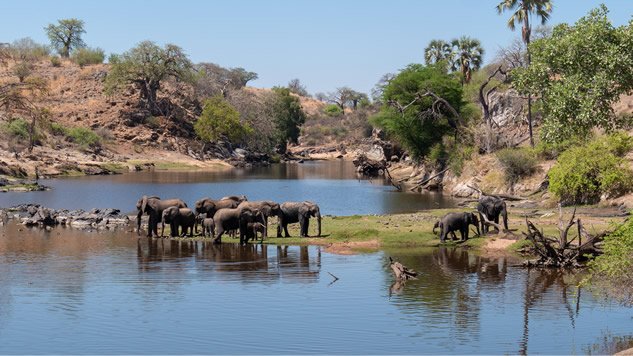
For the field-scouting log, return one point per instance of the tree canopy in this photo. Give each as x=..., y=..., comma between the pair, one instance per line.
x=578, y=74
x=220, y=119
x=146, y=66
x=66, y=35
x=413, y=117
x=288, y=116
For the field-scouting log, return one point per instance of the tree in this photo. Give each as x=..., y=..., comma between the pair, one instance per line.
x=220, y=119
x=17, y=99
x=578, y=78
x=66, y=35
x=296, y=87
x=146, y=66
x=346, y=96
x=522, y=10
x=213, y=79
x=468, y=56
x=436, y=51
x=422, y=104
x=289, y=117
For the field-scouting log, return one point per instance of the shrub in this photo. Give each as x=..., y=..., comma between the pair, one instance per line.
x=56, y=62
x=437, y=154
x=551, y=150
x=25, y=49
x=18, y=128
x=88, y=56
x=333, y=110
x=457, y=157
x=57, y=129
x=22, y=70
x=617, y=259
x=517, y=163
x=583, y=174
x=83, y=137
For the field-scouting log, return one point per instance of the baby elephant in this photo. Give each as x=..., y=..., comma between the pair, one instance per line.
x=457, y=222
x=178, y=218
x=208, y=227
x=253, y=228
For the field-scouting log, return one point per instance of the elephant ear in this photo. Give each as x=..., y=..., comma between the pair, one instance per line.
x=304, y=210
x=144, y=203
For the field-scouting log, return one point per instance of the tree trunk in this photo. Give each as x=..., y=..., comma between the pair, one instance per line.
x=526, y=37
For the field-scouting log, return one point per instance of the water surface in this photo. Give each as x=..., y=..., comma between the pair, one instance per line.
x=331, y=184
x=65, y=291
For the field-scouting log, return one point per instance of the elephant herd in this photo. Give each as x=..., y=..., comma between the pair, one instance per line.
x=489, y=209
x=229, y=214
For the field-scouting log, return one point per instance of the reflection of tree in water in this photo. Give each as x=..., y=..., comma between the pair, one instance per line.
x=609, y=345
x=539, y=282
x=251, y=263
x=448, y=287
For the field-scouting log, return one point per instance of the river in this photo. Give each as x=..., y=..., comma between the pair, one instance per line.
x=67, y=291
x=331, y=184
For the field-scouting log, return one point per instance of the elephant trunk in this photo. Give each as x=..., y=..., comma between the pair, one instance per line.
x=318, y=224
x=138, y=222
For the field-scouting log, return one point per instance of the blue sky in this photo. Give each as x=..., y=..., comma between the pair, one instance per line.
x=326, y=44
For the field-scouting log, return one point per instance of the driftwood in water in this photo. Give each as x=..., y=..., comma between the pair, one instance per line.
x=401, y=272
x=562, y=252
x=423, y=182
x=368, y=166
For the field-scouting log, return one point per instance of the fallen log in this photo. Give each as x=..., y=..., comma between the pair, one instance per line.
x=401, y=272
x=418, y=185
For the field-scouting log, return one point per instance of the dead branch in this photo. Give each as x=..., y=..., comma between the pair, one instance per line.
x=401, y=272
x=428, y=180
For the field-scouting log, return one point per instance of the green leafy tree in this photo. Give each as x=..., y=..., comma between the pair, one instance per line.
x=468, y=56
x=436, y=51
x=220, y=119
x=66, y=35
x=522, y=11
x=422, y=105
x=579, y=73
x=288, y=116
x=146, y=66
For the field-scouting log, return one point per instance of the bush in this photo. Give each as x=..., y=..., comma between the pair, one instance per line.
x=583, y=174
x=22, y=70
x=56, y=62
x=88, y=56
x=457, y=157
x=333, y=110
x=58, y=129
x=26, y=49
x=617, y=259
x=517, y=163
x=83, y=137
x=18, y=128
x=551, y=150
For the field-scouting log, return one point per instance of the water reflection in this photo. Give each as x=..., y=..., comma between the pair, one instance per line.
x=61, y=291
x=332, y=184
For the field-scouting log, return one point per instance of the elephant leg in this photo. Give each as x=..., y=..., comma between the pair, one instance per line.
x=306, y=227
x=279, y=229
x=218, y=237
x=443, y=234
x=286, y=230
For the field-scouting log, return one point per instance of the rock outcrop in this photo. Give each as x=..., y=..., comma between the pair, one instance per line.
x=36, y=215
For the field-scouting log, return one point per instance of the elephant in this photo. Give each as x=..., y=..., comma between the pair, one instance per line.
x=267, y=207
x=210, y=207
x=457, y=222
x=255, y=227
x=292, y=212
x=154, y=206
x=237, y=198
x=439, y=224
x=178, y=218
x=489, y=208
x=235, y=218
x=208, y=227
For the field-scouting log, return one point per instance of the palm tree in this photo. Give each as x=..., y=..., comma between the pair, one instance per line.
x=468, y=56
x=522, y=10
x=437, y=50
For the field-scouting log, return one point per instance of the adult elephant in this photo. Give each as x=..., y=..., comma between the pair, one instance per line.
x=457, y=222
x=210, y=207
x=490, y=208
x=267, y=207
x=154, y=207
x=237, y=198
x=177, y=218
x=233, y=219
x=293, y=212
